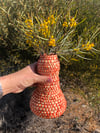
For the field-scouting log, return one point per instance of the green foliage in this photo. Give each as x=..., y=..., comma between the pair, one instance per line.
x=12, y=38
x=90, y=11
x=12, y=46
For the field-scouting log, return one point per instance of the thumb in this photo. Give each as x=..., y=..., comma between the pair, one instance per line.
x=43, y=79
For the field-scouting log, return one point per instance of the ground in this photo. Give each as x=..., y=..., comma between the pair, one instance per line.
x=16, y=117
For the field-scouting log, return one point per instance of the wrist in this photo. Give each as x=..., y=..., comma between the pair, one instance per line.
x=8, y=83
x=4, y=82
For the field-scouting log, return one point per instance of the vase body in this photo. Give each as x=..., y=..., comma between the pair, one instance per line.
x=47, y=100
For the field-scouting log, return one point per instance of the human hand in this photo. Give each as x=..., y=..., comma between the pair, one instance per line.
x=18, y=81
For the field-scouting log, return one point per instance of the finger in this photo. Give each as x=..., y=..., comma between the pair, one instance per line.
x=43, y=79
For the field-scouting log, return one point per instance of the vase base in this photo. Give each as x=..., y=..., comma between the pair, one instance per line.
x=47, y=110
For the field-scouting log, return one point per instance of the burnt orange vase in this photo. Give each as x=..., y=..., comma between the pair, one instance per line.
x=47, y=100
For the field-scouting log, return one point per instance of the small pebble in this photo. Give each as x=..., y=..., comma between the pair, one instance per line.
x=83, y=105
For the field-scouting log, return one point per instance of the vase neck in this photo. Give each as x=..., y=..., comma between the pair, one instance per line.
x=49, y=57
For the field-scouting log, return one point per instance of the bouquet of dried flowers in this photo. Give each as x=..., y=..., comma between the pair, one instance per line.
x=54, y=32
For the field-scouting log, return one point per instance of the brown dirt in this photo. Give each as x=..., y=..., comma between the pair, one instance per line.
x=16, y=117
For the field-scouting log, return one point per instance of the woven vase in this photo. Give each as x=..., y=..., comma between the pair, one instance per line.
x=47, y=100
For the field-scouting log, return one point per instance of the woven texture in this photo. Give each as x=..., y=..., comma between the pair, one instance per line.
x=47, y=100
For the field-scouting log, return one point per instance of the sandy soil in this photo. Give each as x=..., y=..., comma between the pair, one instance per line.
x=16, y=117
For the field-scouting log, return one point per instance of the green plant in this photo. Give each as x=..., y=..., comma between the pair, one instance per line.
x=15, y=44
x=53, y=31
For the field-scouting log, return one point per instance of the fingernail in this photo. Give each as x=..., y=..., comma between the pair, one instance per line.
x=49, y=80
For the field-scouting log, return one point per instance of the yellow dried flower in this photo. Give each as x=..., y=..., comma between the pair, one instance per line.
x=76, y=49
x=44, y=29
x=48, y=21
x=51, y=19
x=37, y=45
x=52, y=36
x=88, y=46
x=92, y=44
x=83, y=45
x=52, y=42
x=72, y=19
x=72, y=22
x=29, y=42
x=29, y=23
x=28, y=33
x=65, y=24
